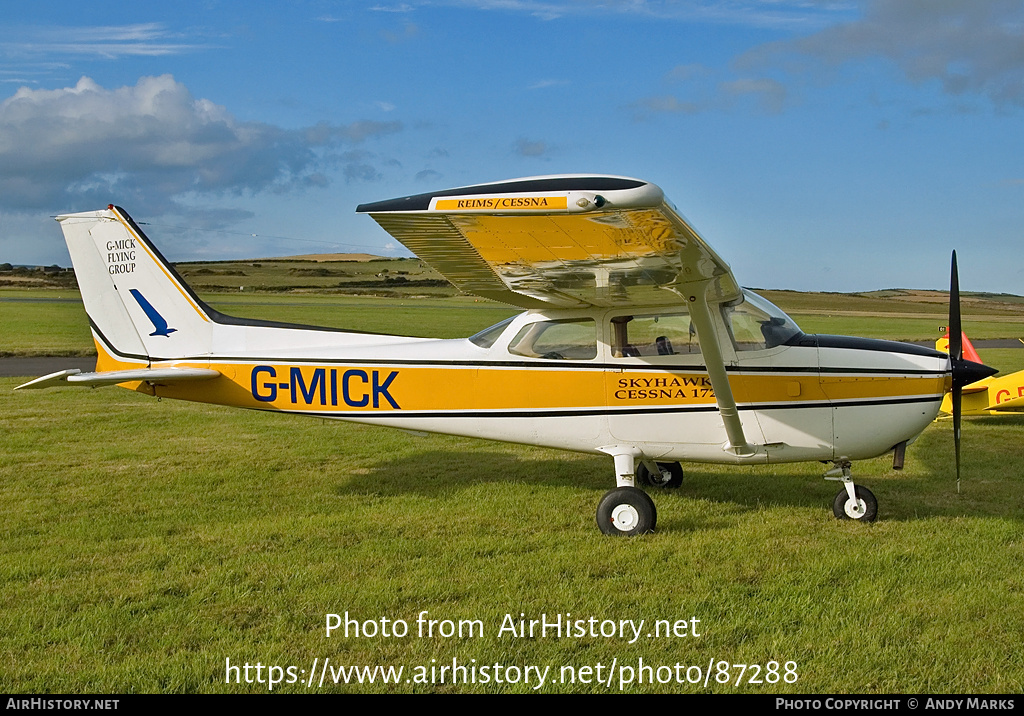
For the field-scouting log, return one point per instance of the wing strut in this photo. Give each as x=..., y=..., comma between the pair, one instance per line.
x=695, y=295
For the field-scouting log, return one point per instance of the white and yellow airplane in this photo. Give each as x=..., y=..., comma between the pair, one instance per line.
x=637, y=343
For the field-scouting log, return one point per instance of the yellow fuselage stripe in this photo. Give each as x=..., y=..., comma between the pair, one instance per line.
x=376, y=388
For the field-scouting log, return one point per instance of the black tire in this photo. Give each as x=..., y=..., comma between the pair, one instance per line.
x=671, y=481
x=843, y=508
x=626, y=512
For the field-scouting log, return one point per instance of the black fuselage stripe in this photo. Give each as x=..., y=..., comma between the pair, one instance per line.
x=588, y=412
x=110, y=347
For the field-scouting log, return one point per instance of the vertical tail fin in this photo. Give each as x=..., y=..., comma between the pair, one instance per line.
x=139, y=308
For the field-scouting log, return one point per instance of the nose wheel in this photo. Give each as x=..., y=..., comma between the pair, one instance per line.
x=625, y=512
x=853, y=502
x=862, y=506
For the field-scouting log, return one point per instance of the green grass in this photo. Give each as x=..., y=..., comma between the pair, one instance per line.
x=905, y=329
x=36, y=324
x=43, y=322
x=389, y=275
x=935, y=303
x=145, y=542
x=455, y=317
x=1007, y=360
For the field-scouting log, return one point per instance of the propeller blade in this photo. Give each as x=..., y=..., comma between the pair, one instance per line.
x=963, y=372
x=956, y=345
x=956, y=352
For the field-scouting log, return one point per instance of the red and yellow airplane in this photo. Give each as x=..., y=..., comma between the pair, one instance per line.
x=637, y=342
x=994, y=395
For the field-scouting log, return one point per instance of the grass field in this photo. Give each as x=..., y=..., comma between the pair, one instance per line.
x=145, y=542
x=53, y=322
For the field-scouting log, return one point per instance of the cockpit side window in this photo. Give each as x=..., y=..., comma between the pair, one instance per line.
x=557, y=340
x=665, y=334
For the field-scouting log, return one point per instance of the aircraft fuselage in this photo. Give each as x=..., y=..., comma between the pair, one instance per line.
x=567, y=379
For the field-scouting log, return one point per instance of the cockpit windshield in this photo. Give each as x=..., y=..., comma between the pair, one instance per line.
x=756, y=323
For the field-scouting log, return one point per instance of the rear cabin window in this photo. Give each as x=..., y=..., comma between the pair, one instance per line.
x=557, y=340
x=487, y=337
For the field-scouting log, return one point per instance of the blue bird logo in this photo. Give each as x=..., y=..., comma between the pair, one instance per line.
x=159, y=323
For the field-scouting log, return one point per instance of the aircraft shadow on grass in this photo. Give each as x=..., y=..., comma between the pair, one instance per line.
x=925, y=489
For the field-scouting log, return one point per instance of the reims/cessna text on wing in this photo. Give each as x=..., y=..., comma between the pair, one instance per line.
x=637, y=343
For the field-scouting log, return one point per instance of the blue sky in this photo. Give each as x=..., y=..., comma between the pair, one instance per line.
x=835, y=145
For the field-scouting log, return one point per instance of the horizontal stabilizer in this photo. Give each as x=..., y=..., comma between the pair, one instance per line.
x=74, y=376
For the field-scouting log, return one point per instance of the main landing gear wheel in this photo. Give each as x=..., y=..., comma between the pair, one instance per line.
x=864, y=508
x=626, y=511
x=669, y=475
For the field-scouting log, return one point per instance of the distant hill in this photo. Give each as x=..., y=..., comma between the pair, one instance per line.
x=327, y=257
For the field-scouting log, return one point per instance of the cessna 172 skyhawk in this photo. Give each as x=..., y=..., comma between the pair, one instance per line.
x=637, y=342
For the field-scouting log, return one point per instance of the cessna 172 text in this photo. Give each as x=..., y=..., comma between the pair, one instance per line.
x=637, y=342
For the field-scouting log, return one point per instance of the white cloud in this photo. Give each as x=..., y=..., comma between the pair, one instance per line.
x=686, y=73
x=149, y=144
x=528, y=148
x=543, y=84
x=967, y=46
x=770, y=94
x=756, y=13
x=108, y=41
x=669, y=104
x=403, y=7
x=408, y=32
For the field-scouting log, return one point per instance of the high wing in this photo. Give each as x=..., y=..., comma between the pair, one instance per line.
x=573, y=242
x=559, y=241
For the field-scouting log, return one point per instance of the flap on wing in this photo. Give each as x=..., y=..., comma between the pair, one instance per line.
x=566, y=241
x=74, y=376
